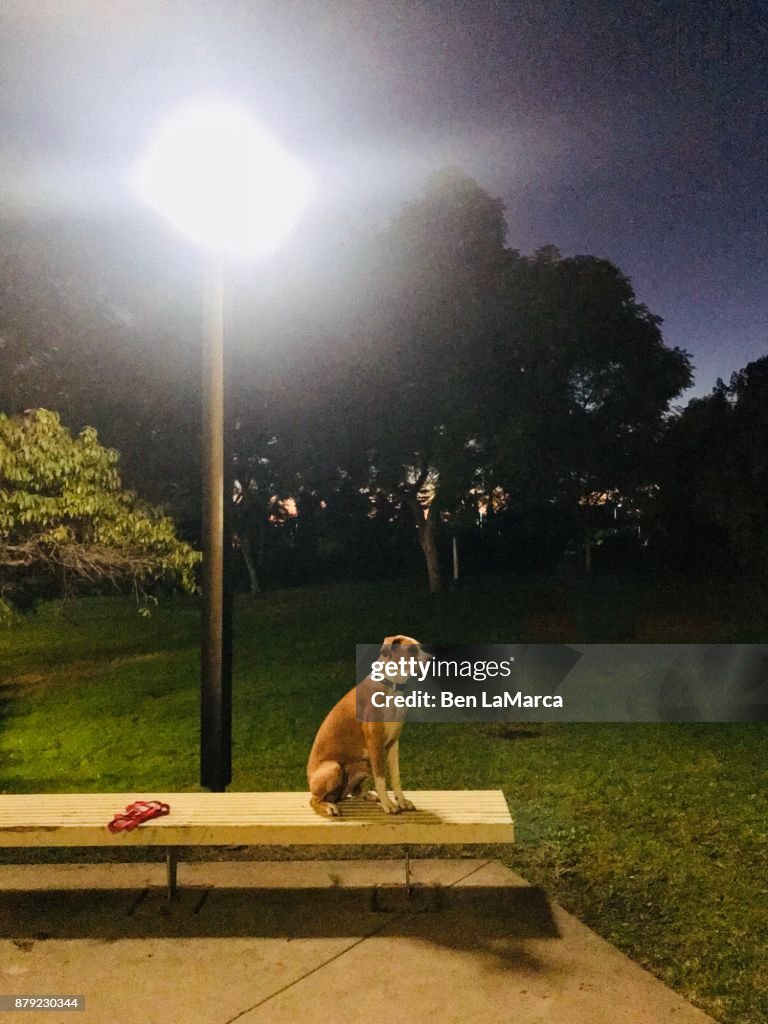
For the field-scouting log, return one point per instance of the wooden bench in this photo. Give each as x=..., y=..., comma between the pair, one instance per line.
x=245, y=819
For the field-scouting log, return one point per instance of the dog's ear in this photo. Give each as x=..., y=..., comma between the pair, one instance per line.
x=389, y=643
x=386, y=647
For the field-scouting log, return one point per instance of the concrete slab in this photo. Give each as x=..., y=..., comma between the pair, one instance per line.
x=258, y=942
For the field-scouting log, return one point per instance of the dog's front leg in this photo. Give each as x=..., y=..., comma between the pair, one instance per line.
x=377, y=756
x=393, y=756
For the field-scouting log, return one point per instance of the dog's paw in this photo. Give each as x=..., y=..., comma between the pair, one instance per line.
x=371, y=795
x=405, y=805
x=333, y=810
x=390, y=808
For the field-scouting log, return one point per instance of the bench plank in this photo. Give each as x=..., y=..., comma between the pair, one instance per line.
x=233, y=819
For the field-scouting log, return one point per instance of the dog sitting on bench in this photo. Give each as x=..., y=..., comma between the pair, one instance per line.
x=347, y=752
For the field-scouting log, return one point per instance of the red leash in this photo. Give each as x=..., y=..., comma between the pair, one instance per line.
x=136, y=813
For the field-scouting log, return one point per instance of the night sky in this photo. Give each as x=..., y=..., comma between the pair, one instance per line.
x=634, y=131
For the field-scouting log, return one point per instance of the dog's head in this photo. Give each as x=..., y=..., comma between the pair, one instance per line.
x=400, y=647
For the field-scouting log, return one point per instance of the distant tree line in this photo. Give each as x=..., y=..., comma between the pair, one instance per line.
x=420, y=384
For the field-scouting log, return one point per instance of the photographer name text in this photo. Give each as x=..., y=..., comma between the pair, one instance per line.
x=446, y=699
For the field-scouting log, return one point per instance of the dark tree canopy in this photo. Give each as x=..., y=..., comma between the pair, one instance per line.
x=713, y=504
x=385, y=392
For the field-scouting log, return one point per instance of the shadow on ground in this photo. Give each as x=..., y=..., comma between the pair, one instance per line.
x=495, y=920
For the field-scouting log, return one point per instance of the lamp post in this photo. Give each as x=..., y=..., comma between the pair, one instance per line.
x=216, y=639
x=227, y=186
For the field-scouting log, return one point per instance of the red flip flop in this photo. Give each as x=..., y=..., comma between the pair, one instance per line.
x=136, y=813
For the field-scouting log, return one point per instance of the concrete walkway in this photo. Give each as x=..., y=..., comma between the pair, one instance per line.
x=313, y=942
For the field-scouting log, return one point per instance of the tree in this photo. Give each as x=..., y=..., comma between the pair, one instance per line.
x=581, y=388
x=748, y=457
x=712, y=504
x=442, y=265
x=66, y=519
x=480, y=377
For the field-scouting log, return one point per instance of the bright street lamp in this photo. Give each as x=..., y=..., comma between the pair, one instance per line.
x=230, y=188
x=222, y=181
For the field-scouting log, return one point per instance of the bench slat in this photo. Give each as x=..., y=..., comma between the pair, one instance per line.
x=227, y=819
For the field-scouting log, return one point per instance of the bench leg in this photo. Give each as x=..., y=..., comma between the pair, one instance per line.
x=171, y=864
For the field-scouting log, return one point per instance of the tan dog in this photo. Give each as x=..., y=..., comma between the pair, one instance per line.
x=347, y=752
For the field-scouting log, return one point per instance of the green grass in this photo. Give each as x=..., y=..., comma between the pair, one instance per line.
x=655, y=835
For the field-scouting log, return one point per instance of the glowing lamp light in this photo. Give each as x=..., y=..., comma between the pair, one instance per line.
x=222, y=181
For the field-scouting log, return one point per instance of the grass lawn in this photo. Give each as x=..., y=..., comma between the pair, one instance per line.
x=655, y=835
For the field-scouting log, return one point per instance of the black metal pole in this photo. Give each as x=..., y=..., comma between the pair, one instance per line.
x=216, y=654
